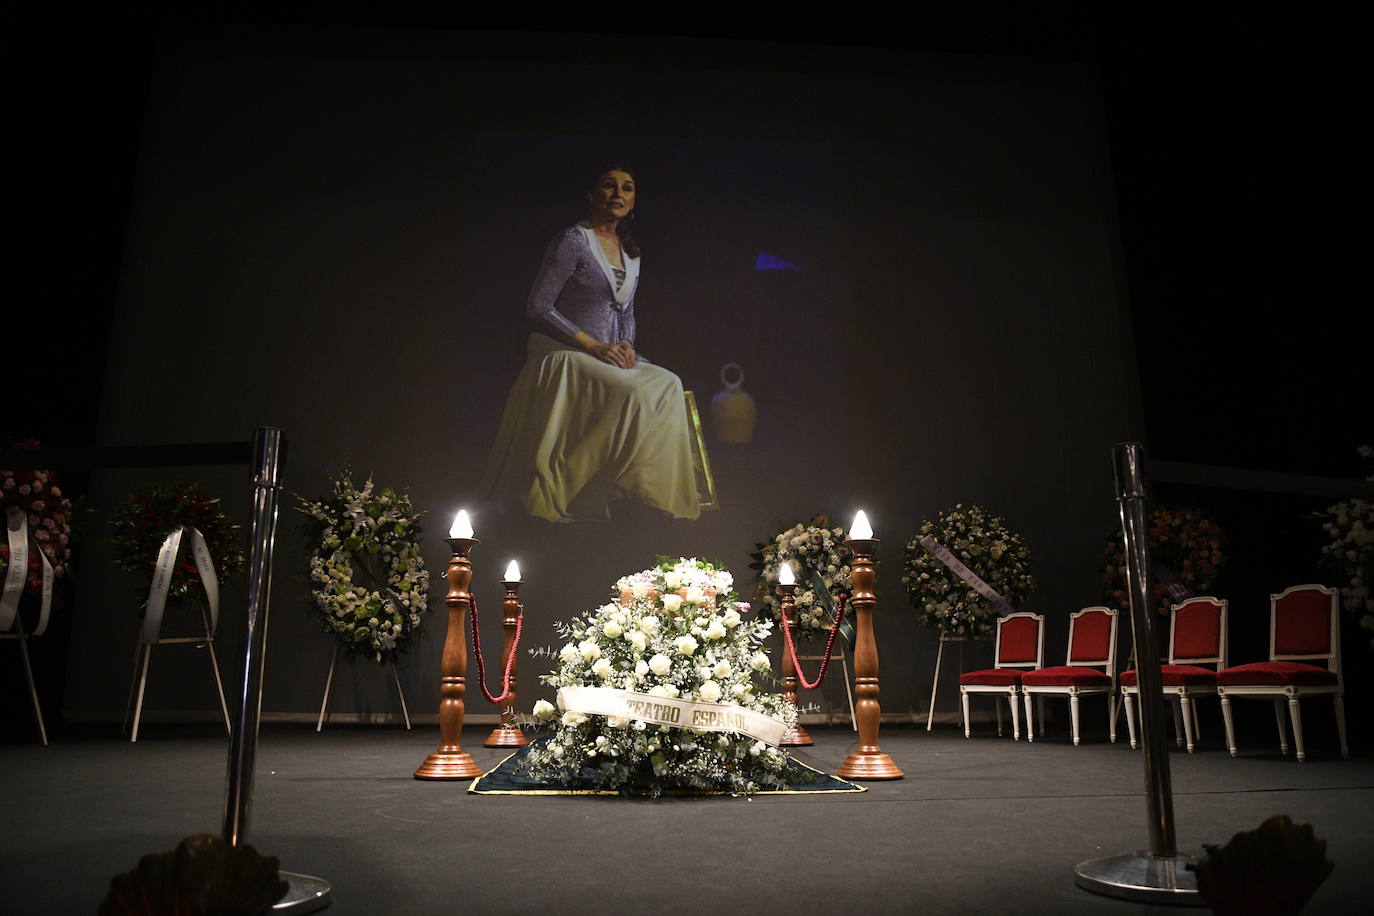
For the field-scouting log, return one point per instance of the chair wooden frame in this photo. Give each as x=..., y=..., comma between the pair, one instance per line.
x=1073, y=692
x=1291, y=692
x=1011, y=691
x=1187, y=729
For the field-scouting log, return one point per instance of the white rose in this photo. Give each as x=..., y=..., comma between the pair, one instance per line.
x=569, y=654
x=704, y=673
x=685, y=645
x=709, y=691
x=716, y=630
x=658, y=690
x=660, y=664
x=671, y=603
x=640, y=589
x=672, y=689
x=758, y=748
x=739, y=690
x=649, y=624
x=761, y=662
x=695, y=595
x=573, y=718
x=590, y=650
x=641, y=668
x=672, y=579
x=723, y=669
x=636, y=639
x=617, y=722
x=545, y=710
x=732, y=618
x=603, y=668
x=612, y=629
x=610, y=610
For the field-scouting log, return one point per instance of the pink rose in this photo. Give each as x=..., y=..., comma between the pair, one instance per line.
x=38, y=505
x=24, y=490
x=55, y=491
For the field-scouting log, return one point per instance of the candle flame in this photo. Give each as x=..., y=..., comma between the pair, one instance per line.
x=861, y=530
x=462, y=525
x=512, y=572
x=785, y=576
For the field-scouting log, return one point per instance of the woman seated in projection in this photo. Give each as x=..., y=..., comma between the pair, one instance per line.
x=589, y=420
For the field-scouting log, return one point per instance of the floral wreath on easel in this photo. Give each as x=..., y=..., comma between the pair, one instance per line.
x=973, y=538
x=369, y=585
x=142, y=525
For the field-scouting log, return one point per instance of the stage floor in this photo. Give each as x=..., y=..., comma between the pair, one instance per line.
x=978, y=826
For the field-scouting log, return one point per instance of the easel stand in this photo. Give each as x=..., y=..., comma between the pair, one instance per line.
x=935, y=684
x=329, y=688
x=23, y=638
x=143, y=653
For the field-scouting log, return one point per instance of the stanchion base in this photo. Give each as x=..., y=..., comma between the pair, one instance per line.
x=506, y=736
x=1143, y=878
x=306, y=894
x=797, y=737
x=449, y=765
x=869, y=764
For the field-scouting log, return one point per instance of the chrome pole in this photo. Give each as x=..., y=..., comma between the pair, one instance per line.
x=306, y=892
x=1161, y=874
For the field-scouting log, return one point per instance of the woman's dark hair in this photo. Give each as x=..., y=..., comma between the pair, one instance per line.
x=624, y=228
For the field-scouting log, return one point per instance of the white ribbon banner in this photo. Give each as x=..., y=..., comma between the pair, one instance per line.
x=17, y=530
x=702, y=717
x=47, y=594
x=941, y=553
x=162, y=580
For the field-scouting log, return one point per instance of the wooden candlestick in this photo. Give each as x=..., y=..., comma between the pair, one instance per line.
x=450, y=761
x=796, y=735
x=869, y=761
x=508, y=733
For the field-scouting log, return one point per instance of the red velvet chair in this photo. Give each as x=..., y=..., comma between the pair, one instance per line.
x=1197, y=636
x=1020, y=644
x=1092, y=645
x=1304, y=627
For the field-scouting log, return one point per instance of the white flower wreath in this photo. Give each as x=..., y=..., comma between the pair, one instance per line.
x=370, y=588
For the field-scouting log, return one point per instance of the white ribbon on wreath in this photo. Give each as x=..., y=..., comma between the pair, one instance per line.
x=941, y=553
x=17, y=531
x=162, y=580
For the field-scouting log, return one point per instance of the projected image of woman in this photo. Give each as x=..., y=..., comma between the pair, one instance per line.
x=590, y=421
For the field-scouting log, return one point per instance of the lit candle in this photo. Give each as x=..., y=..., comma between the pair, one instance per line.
x=462, y=527
x=512, y=572
x=861, y=530
x=785, y=576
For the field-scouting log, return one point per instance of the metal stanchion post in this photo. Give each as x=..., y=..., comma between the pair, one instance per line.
x=1159, y=875
x=307, y=893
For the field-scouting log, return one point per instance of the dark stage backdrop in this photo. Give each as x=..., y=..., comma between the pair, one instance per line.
x=334, y=233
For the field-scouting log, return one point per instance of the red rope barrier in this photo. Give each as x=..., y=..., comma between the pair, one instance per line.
x=829, y=647
x=481, y=665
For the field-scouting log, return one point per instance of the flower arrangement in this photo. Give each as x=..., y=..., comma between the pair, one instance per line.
x=677, y=631
x=817, y=551
x=1350, y=553
x=1182, y=541
x=39, y=495
x=984, y=544
x=145, y=519
x=369, y=585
